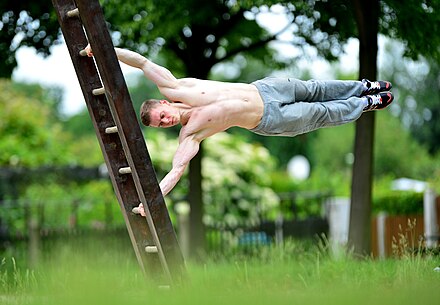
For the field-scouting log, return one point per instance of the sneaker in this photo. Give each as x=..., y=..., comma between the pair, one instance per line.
x=376, y=87
x=379, y=101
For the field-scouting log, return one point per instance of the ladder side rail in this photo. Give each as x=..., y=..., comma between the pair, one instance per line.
x=110, y=144
x=130, y=134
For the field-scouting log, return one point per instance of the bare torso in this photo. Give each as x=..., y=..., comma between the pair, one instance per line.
x=215, y=106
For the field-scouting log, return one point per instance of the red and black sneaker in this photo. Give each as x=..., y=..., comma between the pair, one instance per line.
x=379, y=101
x=376, y=87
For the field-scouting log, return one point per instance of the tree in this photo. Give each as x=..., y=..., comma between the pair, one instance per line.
x=417, y=83
x=425, y=123
x=200, y=34
x=29, y=136
x=197, y=34
x=327, y=25
x=392, y=18
x=397, y=154
x=25, y=23
x=414, y=22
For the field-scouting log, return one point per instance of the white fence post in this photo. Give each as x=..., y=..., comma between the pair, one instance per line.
x=381, y=231
x=430, y=218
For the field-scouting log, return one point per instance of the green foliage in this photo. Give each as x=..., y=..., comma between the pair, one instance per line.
x=401, y=19
x=140, y=90
x=236, y=187
x=193, y=36
x=28, y=137
x=50, y=97
x=86, y=151
x=25, y=23
x=395, y=202
x=396, y=152
x=335, y=182
x=63, y=206
x=79, y=124
x=419, y=110
x=332, y=148
x=283, y=148
x=282, y=183
x=324, y=25
x=236, y=177
x=198, y=34
x=399, y=203
x=304, y=199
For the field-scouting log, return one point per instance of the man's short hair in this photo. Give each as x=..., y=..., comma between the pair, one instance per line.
x=145, y=110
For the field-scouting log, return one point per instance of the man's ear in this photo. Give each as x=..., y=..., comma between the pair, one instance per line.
x=164, y=102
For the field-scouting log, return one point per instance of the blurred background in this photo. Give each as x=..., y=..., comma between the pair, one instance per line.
x=256, y=190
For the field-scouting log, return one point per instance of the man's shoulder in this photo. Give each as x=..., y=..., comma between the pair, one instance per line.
x=188, y=81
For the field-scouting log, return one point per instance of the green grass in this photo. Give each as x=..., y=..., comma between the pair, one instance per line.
x=103, y=272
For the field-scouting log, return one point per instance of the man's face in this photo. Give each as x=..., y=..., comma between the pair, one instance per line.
x=164, y=115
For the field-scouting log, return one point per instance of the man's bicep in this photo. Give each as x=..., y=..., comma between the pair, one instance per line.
x=187, y=150
x=159, y=75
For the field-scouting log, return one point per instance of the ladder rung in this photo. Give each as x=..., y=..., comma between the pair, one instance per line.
x=151, y=249
x=125, y=170
x=113, y=129
x=98, y=91
x=136, y=210
x=73, y=13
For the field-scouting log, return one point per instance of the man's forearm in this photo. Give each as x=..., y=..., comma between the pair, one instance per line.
x=159, y=75
x=131, y=58
x=170, y=180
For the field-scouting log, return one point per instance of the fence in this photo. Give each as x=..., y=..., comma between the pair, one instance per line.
x=223, y=238
x=394, y=234
x=37, y=221
x=44, y=220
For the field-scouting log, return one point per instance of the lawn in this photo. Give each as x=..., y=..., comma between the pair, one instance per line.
x=102, y=272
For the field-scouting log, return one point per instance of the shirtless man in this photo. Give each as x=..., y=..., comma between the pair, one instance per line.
x=271, y=106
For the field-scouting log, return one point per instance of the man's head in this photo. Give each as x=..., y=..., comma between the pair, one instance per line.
x=159, y=113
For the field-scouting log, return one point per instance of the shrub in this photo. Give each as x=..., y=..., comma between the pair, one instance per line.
x=399, y=203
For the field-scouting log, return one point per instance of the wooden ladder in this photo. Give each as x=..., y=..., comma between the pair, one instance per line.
x=121, y=139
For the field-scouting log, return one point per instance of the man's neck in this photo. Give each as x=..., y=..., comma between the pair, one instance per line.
x=185, y=114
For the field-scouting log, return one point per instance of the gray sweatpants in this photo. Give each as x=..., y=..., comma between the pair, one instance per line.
x=293, y=106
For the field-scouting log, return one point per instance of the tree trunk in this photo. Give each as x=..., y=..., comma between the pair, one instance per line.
x=196, y=227
x=196, y=246
x=359, y=239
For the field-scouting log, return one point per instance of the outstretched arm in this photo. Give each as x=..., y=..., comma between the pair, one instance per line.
x=159, y=75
